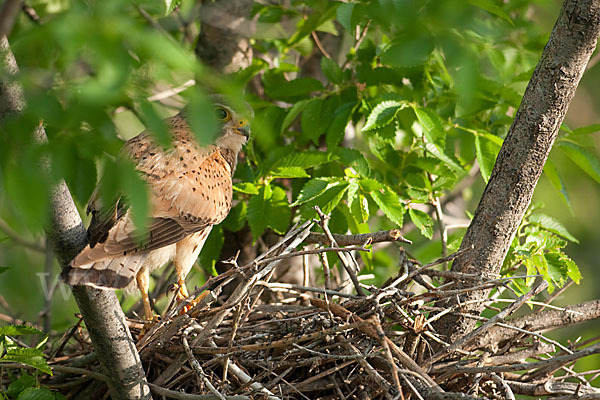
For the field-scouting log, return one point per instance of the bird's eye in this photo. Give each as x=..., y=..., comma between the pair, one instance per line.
x=222, y=114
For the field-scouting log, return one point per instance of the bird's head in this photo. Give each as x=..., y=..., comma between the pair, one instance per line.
x=235, y=130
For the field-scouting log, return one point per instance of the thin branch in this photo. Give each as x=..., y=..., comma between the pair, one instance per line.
x=392, y=235
x=19, y=240
x=8, y=13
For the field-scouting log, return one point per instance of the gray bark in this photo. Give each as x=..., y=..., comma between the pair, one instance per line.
x=525, y=150
x=223, y=40
x=100, y=309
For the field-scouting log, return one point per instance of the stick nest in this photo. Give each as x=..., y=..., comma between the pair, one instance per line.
x=320, y=343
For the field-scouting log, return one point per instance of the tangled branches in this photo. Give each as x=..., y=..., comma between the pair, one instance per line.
x=314, y=342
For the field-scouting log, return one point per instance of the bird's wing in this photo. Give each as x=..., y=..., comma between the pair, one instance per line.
x=190, y=190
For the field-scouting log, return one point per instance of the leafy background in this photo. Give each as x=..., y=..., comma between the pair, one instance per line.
x=375, y=111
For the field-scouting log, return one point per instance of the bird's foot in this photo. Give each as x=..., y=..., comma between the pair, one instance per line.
x=183, y=296
x=149, y=323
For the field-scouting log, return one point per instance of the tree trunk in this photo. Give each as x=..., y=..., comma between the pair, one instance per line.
x=101, y=310
x=524, y=152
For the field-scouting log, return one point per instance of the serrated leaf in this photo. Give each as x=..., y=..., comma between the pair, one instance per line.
x=383, y=114
x=304, y=159
x=583, y=158
x=552, y=225
x=557, y=182
x=486, y=152
x=245, y=187
x=312, y=189
x=293, y=113
x=389, y=203
x=432, y=126
x=572, y=270
x=422, y=221
x=331, y=70
x=438, y=153
x=32, y=357
x=289, y=172
x=279, y=211
x=17, y=330
x=355, y=159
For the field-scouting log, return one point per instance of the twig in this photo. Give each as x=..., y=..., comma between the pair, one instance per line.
x=31, y=14
x=486, y=326
x=442, y=227
x=319, y=45
x=173, y=394
x=342, y=256
x=313, y=251
x=18, y=240
x=196, y=365
x=386, y=350
x=508, y=394
x=392, y=235
x=289, y=286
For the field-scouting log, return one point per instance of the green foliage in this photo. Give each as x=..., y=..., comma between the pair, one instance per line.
x=11, y=351
x=410, y=97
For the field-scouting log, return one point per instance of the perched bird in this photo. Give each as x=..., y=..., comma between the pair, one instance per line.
x=190, y=191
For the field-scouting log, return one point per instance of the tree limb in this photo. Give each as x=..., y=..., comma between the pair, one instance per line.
x=524, y=152
x=101, y=310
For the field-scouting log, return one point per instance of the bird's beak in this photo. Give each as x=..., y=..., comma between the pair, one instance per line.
x=243, y=128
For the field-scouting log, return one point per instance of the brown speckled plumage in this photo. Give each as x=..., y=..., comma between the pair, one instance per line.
x=190, y=191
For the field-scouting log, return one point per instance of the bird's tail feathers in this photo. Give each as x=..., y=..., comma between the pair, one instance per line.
x=109, y=273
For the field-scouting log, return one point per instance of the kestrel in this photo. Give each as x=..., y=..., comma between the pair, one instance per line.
x=190, y=191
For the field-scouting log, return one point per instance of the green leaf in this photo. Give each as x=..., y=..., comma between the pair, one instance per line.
x=258, y=211
x=486, y=152
x=384, y=113
x=422, y=221
x=583, y=158
x=493, y=8
x=37, y=394
x=3, y=269
x=32, y=357
x=236, y=219
x=572, y=269
x=312, y=189
x=389, y=203
x=331, y=70
x=171, y=5
x=336, y=130
x=155, y=124
x=298, y=87
x=211, y=251
x=245, y=187
x=23, y=382
x=17, y=330
x=408, y=51
x=293, y=113
x=355, y=159
x=432, y=125
x=557, y=182
x=586, y=130
x=289, y=172
x=311, y=123
x=304, y=159
x=279, y=212
x=438, y=153
x=550, y=224
x=344, y=16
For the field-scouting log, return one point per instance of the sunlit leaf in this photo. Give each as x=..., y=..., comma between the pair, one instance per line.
x=383, y=114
